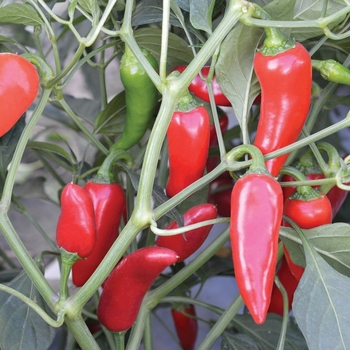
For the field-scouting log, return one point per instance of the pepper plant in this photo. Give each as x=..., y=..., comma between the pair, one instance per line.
x=105, y=97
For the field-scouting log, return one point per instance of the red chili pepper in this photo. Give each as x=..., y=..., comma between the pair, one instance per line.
x=213, y=161
x=289, y=283
x=76, y=227
x=199, y=87
x=127, y=285
x=308, y=208
x=186, y=326
x=109, y=203
x=185, y=245
x=286, y=82
x=188, y=144
x=19, y=87
x=256, y=214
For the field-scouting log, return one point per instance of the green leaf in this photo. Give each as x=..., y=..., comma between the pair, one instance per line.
x=90, y=6
x=312, y=10
x=111, y=120
x=183, y=4
x=234, y=69
x=267, y=334
x=53, y=152
x=179, y=52
x=331, y=241
x=20, y=14
x=238, y=342
x=321, y=305
x=201, y=12
x=21, y=328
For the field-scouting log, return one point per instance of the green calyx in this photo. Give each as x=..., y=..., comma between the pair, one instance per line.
x=307, y=164
x=186, y=103
x=306, y=194
x=275, y=42
x=332, y=71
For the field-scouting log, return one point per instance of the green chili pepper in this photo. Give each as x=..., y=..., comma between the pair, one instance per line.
x=141, y=98
x=333, y=71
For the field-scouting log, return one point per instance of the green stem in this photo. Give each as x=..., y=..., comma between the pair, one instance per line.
x=82, y=127
x=283, y=332
x=126, y=237
x=119, y=338
x=26, y=261
x=221, y=324
x=147, y=337
x=165, y=40
x=81, y=333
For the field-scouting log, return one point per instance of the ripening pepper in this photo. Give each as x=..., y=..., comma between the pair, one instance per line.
x=19, y=87
x=188, y=144
x=126, y=286
x=285, y=75
x=109, y=203
x=187, y=243
x=76, y=226
x=186, y=326
x=256, y=214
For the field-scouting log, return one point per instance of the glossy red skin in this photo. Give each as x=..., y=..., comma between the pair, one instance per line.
x=337, y=197
x=307, y=215
x=109, y=204
x=76, y=227
x=127, y=285
x=289, y=283
x=256, y=214
x=188, y=144
x=212, y=162
x=288, y=191
x=186, y=327
x=194, y=238
x=19, y=85
x=286, y=81
x=199, y=87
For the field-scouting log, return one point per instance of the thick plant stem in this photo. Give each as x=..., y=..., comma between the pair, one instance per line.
x=81, y=333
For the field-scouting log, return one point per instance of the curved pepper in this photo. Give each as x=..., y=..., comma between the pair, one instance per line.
x=76, y=227
x=141, y=98
x=185, y=245
x=188, y=144
x=286, y=82
x=127, y=285
x=186, y=327
x=109, y=203
x=19, y=87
